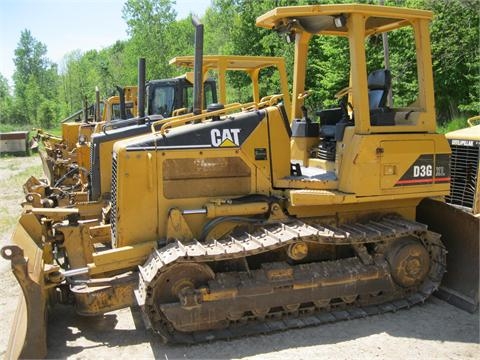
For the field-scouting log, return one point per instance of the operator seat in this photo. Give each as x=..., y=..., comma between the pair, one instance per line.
x=379, y=84
x=333, y=121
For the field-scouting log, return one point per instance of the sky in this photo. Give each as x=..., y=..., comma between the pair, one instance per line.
x=67, y=25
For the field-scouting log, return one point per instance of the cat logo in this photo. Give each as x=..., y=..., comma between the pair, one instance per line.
x=225, y=137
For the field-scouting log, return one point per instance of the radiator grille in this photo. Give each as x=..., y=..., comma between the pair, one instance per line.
x=94, y=171
x=92, y=150
x=464, y=175
x=113, y=211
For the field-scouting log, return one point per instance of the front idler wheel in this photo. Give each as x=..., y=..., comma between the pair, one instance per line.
x=173, y=284
x=409, y=262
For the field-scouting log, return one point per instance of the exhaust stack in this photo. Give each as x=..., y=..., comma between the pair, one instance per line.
x=97, y=104
x=85, y=109
x=198, y=67
x=141, y=88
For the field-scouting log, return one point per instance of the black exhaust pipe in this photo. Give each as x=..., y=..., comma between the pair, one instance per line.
x=85, y=109
x=141, y=88
x=121, y=94
x=97, y=104
x=198, y=67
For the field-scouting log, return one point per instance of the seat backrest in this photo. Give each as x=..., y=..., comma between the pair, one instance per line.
x=379, y=83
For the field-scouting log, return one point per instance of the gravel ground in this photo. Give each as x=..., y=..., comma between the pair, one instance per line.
x=435, y=330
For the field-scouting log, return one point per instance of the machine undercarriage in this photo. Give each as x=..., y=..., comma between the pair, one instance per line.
x=288, y=274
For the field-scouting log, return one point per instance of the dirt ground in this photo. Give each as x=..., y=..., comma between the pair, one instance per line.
x=435, y=330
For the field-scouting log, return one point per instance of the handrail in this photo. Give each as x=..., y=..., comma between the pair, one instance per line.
x=471, y=121
x=271, y=100
x=107, y=125
x=172, y=122
x=268, y=100
x=76, y=114
x=163, y=121
x=183, y=119
x=178, y=112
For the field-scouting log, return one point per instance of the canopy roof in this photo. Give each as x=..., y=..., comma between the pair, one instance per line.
x=231, y=62
x=319, y=19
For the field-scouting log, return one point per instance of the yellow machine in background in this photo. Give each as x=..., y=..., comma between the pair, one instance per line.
x=257, y=220
x=113, y=109
x=251, y=65
x=465, y=144
x=60, y=153
x=96, y=159
x=458, y=219
x=219, y=64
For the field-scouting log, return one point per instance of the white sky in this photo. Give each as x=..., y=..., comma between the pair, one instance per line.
x=67, y=25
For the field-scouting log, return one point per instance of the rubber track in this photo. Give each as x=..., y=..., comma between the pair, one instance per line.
x=273, y=237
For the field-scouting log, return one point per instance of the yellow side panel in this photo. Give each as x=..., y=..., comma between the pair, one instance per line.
x=261, y=171
x=279, y=144
x=397, y=158
x=70, y=134
x=380, y=164
x=83, y=156
x=198, y=177
x=359, y=170
x=137, y=190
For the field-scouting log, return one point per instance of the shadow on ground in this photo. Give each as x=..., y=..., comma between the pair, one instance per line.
x=70, y=334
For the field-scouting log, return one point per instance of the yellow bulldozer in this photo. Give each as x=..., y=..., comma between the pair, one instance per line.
x=260, y=220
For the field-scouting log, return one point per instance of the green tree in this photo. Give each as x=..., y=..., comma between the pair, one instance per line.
x=181, y=37
x=40, y=94
x=149, y=23
x=35, y=78
x=456, y=56
x=81, y=72
x=230, y=29
x=6, y=101
x=47, y=112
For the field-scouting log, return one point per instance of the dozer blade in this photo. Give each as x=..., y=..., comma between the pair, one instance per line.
x=28, y=336
x=47, y=164
x=461, y=236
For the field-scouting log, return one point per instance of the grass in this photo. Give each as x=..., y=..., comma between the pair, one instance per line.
x=455, y=124
x=12, y=192
x=13, y=127
x=20, y=177
x=57, y=130
x=7, y=220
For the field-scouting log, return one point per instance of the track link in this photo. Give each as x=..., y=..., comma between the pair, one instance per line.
x=275, y=236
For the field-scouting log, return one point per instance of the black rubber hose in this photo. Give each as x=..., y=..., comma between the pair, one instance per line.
x=69, y=173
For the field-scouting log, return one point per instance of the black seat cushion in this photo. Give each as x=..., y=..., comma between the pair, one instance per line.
x=330, y=116
x=379, y=83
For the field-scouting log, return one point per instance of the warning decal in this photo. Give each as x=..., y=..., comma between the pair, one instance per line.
x=425, y=171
